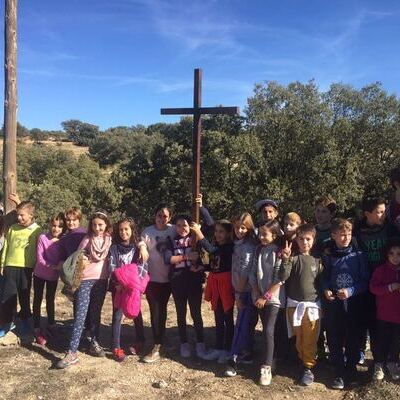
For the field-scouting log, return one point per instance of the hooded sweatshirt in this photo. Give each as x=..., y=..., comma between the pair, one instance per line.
x=345, y=268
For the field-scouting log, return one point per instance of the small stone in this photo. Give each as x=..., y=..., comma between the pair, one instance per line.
x=160, y=384
x=10, y=339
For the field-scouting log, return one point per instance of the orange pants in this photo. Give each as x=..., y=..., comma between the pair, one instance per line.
x=306, y=338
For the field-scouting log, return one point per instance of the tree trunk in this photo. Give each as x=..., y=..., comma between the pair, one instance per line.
x=10, y=104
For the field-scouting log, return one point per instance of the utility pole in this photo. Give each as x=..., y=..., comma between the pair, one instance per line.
x=10, y=104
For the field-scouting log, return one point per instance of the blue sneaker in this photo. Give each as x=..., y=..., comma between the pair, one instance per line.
x=6, y=328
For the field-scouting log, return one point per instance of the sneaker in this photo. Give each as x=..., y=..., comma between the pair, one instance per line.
x=136, y=348
x=308, y=377
x=224, y=357
x=231, y=368
x=265, y=375
x=245, y=358
x=185, y=350
x=361, y=361
x=40, y=338
x=95, y=349
x=378, y=372
x=154, y=354
x=119, y=354
x=393, y=370
x=212, y=355
x=200, y=350
x=6, y=328
x=338, y=383
x=68, y=360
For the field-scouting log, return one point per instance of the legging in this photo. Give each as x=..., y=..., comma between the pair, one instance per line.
x=38, y=288
x=268, y=316
x=91, y=291
x=117, y=325
x=224, y=327
x=388, y=345
x=157, y=295
x=191, y=294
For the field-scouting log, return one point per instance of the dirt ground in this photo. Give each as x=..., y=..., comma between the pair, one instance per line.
x=27, y=372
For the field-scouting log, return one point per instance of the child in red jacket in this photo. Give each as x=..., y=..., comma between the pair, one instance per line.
x=385, y=285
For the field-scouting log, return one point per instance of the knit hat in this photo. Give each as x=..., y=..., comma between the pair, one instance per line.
x=266, y=202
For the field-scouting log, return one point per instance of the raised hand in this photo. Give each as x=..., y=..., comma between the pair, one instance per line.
x=15, y=198
x=287, y=250
x=199, y=200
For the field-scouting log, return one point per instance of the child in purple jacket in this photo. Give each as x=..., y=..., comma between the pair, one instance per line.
x=46, y=273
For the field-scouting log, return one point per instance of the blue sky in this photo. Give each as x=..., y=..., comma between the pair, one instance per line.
x=117, y=62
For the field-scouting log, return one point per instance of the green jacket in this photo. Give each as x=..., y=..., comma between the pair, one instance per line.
x=20, y=246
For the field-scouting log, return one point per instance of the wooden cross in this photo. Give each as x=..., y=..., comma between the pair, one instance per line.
x=197, y=111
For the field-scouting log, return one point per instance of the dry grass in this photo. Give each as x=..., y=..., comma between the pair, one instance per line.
x=76, y=150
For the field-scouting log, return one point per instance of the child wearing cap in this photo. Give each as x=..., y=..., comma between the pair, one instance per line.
x=269, y=210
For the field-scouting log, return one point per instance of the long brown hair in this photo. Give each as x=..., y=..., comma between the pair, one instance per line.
x=132, y=224
x=101, y=214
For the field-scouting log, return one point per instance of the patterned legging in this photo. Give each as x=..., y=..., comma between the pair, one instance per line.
x=91, y=292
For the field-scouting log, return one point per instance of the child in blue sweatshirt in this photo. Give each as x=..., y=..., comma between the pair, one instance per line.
x=345, y=282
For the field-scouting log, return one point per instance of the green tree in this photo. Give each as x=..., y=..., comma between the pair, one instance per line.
x=81, y=133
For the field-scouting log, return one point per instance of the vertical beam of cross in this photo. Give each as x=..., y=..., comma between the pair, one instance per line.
x=197, y=111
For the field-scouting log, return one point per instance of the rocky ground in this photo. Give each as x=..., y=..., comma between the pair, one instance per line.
x=27, y=371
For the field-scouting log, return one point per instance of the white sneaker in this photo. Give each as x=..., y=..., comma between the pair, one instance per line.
x=224, y=357
x=265, y=375
x=212, y=355
x=394, y=370
x=378, y=372
x=185, y=350
x=200, y=350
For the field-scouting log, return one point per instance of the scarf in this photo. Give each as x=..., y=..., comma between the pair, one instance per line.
x=98, y=247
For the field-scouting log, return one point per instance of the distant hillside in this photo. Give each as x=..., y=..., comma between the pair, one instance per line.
x=77, y=150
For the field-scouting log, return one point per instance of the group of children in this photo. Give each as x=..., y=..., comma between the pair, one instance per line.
x=336, y=281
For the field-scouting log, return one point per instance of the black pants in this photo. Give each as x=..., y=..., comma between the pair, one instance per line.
x=344, y=330
x=38, y=288
x=282, y=345
x=224, y=327
x=157, y=295
x=187, y=289
x=268, y=316
x=17, y=285
x=388, y=345
x=369, y=323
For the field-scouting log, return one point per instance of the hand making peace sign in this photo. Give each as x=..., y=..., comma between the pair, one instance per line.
x=287, y=250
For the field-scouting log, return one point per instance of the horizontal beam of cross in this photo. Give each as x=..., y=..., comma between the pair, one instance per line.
x=200, y=110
